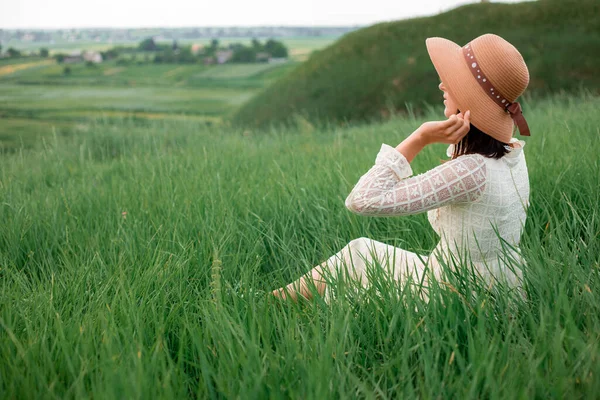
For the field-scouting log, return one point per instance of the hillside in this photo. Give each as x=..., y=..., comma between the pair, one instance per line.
x=381, y=69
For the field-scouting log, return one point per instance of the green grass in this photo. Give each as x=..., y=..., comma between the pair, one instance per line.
x=18, y=133
x=132, y=260
x=236, y=70
x=47, y=100
x=376, y=71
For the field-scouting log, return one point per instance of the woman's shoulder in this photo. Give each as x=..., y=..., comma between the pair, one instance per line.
x=515, y=155
x=515, y=148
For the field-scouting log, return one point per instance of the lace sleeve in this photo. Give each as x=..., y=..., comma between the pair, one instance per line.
x=388, y=189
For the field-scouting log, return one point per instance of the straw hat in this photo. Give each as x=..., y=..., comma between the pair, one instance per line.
x=485, y=76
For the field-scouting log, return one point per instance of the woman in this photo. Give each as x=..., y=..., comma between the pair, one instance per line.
x=476, y=202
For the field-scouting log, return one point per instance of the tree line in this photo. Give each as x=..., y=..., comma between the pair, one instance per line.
x=11, y=52
x=153, y=52
x=173, y=53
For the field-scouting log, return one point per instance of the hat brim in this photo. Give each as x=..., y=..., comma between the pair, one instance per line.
x=448, y=59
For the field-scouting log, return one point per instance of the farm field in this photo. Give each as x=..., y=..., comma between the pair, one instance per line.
x=40, y=72
x=64, y=107
x=136, y=261
x=37, y=97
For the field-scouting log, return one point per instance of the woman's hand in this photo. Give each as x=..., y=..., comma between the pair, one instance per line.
x=449, y=131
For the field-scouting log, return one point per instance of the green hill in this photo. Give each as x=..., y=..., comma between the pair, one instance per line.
x=380, y=69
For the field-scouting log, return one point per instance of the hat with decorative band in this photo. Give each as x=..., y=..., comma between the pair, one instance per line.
x=486, y=76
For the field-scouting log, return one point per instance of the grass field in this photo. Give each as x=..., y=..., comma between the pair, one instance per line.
x=134, y=261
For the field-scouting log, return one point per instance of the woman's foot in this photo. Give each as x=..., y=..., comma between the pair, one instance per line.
x=302, y=286
x=286, y=292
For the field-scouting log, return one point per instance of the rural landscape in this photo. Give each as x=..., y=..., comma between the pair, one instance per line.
x=156, y=186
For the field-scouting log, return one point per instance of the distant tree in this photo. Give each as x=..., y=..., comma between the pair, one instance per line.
x=147, y=45
x=235, y=46
x=12, y=52
x=164, y=47
x=185, y=55
x=110, y=54
x=174, y=46
x=67, y=70
x=59, y=58
x=256, y=44
x=212, y=48
x=276, y=48
x=44, y=52
x=244, y=54
x=0, y=48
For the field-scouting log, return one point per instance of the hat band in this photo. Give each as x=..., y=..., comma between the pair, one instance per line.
x=514, y=109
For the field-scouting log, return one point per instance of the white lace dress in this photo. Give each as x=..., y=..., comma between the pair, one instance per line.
x=477, y=206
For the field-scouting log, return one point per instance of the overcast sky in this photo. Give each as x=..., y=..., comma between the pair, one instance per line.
x=181, y=13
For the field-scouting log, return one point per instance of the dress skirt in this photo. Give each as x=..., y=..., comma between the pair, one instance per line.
x=362, y=259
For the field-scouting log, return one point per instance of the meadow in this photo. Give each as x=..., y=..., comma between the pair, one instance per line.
x=136, y=257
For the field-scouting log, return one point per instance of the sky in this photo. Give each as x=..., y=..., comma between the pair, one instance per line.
x=187, y=13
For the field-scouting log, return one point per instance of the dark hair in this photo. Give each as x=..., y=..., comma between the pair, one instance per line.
x=478, y=142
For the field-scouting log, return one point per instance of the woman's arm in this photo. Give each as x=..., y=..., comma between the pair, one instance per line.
x=387, y=189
